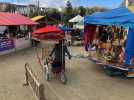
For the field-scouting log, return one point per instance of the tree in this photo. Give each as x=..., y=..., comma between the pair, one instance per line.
x=31, y=13
x=69, y=10
x=75, y=11
x=53, y=16
x=10, y=8
x=95, y=9
x=82, y=11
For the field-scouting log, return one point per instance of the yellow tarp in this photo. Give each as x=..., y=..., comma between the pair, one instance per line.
x=36, y=18
x=131, y=8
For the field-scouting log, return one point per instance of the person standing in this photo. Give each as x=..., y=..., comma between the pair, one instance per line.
x=59, y=55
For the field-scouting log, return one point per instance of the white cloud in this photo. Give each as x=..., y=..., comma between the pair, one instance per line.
x=50, y=3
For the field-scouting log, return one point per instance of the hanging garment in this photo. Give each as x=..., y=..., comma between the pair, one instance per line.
x=89, y=32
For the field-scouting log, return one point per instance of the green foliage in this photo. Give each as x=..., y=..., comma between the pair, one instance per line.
x=82, y=11
x=32, y=13
x=95, y=9
x=68, y=11
x=10, y=8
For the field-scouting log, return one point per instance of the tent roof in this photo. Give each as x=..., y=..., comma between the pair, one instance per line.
x=36, y=18
x=77, y=18
x=118, y=16
x=7, y=19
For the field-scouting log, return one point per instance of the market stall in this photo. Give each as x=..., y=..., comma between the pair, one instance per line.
x=78, y=28
x=111, y=33
x=14, y=32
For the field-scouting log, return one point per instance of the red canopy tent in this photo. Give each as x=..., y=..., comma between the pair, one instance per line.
x=48, y=33
x=8, y=19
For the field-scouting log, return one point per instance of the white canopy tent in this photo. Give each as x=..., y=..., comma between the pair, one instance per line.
x=79, y=25
x=78, y=22
x=76, y=19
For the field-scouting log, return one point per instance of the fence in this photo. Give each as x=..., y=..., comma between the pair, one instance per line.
x=33, y=82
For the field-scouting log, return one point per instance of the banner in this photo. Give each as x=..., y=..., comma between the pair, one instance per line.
x=6, y=45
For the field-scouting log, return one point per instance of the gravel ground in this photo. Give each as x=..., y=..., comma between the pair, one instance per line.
x=86, y=81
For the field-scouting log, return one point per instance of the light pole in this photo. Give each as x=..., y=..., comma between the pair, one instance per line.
x=38, y=6
x=60, y=10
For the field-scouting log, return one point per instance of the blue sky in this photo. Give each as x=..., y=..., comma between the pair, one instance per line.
x=102, y=3
x=60, y=3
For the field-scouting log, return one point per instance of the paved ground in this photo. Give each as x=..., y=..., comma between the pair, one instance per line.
x=12, y=76
x=86, y=81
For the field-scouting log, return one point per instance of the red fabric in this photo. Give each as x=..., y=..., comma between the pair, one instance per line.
x=7, y=19
x=47, y=29
x=49, y=37
x=89, y=32
x=49, y=33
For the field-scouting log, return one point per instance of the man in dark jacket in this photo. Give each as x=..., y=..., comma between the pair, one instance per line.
x=104, y=35
x=59, y=55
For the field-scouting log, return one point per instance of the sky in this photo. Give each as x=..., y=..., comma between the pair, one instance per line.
x=62, y=3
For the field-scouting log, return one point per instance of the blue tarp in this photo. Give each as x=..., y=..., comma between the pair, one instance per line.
x=65, y=29
x=118, y=16
x=129, y=51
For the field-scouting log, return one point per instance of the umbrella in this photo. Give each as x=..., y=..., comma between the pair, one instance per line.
x=48, y=33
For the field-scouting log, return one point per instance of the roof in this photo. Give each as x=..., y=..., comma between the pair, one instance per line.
x=36, y=18
x=77, y=18
x=7, y=19
x=119, y=16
